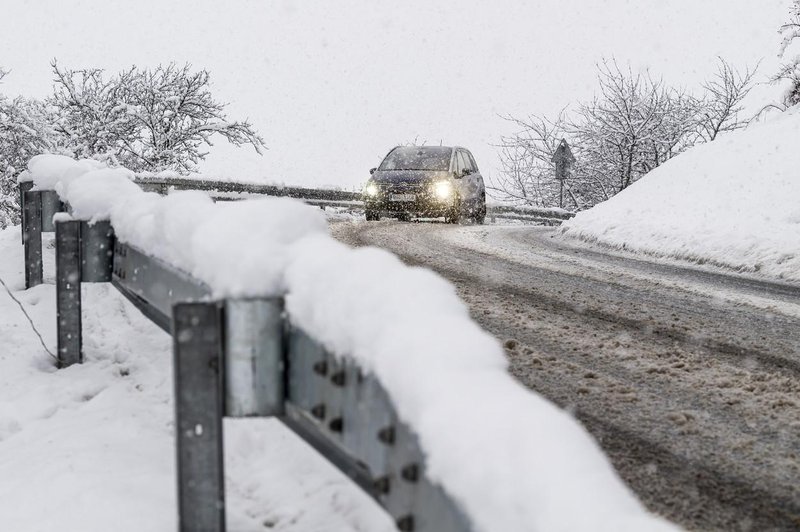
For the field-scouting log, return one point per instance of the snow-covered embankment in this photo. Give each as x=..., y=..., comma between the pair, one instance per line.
x=734, y=202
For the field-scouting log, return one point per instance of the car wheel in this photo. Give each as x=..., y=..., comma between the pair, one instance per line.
x=454, y=216
x=372, y=216
x=480, y=215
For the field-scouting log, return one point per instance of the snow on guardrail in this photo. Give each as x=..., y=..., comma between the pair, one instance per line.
x=511, y=459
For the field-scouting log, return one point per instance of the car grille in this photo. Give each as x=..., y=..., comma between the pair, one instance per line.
x=405, y=188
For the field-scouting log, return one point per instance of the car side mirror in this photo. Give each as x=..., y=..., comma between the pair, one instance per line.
x=372, y=171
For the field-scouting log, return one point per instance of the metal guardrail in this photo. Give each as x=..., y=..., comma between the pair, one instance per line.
x=527, y=210
x=163, y=184
x=230, y=190
x=241, y=358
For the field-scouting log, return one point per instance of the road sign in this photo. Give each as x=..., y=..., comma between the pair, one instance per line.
x=564, y=160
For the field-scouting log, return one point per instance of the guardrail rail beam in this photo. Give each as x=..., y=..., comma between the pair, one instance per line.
x=97, y=251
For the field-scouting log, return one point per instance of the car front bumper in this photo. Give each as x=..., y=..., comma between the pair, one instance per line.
x=422, y=205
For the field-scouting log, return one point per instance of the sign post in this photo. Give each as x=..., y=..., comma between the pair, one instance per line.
x=563, y=160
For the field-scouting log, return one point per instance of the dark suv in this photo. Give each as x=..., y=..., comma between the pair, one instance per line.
x=426, y=181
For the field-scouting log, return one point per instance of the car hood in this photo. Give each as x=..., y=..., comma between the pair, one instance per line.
x=410, y=177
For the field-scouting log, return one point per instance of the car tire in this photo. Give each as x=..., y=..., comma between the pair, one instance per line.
x=372, y=216
x=480, y=216
x=454, y=216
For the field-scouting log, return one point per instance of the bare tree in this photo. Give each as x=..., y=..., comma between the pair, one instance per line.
x=633, y=125
x=790, y=72
x=527, y=170
x=146, y=119
x=721, y=108
x=519, y=179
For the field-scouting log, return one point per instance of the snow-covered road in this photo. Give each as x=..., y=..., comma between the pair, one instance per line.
x=688, y=377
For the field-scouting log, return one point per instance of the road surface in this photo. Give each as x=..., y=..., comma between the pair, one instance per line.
x=688, y=378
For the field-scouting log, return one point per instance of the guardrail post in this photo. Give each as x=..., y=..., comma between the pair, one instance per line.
x=97, y=252
x=24, y=187
x=32, y=237
x=68, y=292
x=197, y=366
x=254, y=365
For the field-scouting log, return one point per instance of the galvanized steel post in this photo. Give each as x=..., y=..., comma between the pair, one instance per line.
x=197, y=365
x=32, y=237
x=24, y=187
x=68, y=292
x=254, y=366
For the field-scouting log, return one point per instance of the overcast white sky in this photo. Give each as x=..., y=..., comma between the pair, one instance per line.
x=332, y=86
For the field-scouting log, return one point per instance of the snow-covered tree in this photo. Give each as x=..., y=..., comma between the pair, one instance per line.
x=527, y=171
x=91, y=115
x=790, y=71
x=25, y=130
x=145, y=119
x=633, y=125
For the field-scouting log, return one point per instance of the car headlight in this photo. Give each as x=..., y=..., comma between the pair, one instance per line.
x=371, y=190
x=443, y=190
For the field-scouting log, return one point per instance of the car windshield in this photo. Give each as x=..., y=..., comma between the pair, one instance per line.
x=417, y=158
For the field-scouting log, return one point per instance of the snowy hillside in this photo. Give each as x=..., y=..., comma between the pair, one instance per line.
x=734, y=202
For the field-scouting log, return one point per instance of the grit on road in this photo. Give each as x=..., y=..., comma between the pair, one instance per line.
x=688, y=378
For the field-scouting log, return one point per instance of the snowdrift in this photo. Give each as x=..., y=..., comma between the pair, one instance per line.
x=511, y=459
x=734, y=202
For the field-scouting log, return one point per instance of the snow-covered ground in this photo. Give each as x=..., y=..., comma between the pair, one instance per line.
x=734, y=202
x=91, y=447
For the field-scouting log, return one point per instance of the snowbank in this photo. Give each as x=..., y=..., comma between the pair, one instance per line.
x=734, y=202
x=514, y=461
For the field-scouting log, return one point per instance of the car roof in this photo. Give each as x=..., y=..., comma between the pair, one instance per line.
x=424, y=147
